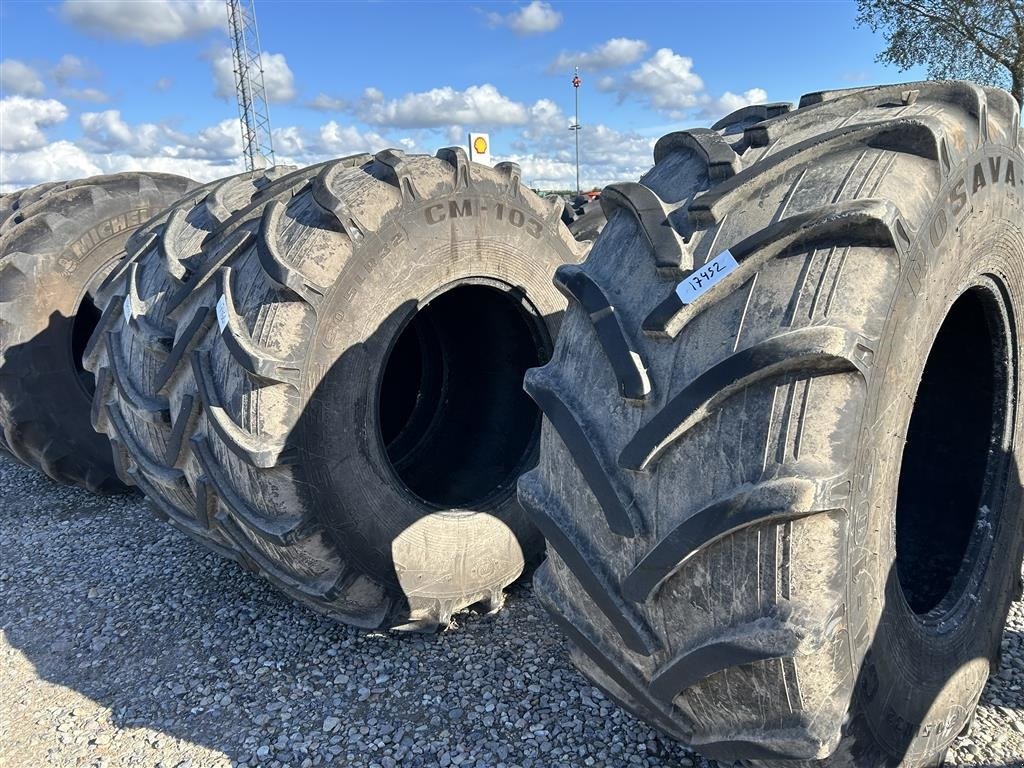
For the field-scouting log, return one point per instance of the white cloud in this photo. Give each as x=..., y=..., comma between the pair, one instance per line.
x=19, y=79
x=66, y=160
x=70, y=67
x=151, y=22
x=52, y=162
x=278, y=78
x=289, y=142
x=91, y=95
x=478, y=106
x=546, y=120
x=455, y=134
x=666, y=81
x=107, y=132
x=220, y=142
x=730, y=102
x=546, y=151
x=23, y=120
x=163, y=85
x=325, y=103
x=339, y=140
x=616, y=52
x=606, y=157
x=106, y=129
x=110, y=144
x=534, y=19
x=544, y=172
x=197, y=169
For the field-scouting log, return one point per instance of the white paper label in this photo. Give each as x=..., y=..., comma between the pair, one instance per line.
x=126, y=308
x=705, y=278
x=222, y=313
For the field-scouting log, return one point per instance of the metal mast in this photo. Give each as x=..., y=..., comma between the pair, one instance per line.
x=576, y=127
x=253, y=113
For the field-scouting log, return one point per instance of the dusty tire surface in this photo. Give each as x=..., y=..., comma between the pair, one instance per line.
x=784, y=512
x=326, y=385
x=57, y=241
x=141, y=299
x=13, y=203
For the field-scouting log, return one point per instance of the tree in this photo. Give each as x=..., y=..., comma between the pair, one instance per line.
x=980, y=40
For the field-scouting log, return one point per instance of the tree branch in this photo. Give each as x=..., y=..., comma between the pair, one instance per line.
x=969, y=27
x=965, y=26
x=963, y=29
x=1015, y=11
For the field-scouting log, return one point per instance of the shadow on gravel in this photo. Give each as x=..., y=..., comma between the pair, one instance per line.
x=104, y=600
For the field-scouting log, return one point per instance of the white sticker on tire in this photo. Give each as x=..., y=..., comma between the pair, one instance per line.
x=222, y=313
x=126, y=308
x=705, y=278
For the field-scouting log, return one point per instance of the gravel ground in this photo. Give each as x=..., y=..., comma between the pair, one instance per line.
x=123, y=643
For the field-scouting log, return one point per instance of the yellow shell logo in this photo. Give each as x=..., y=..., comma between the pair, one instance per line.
x=480, y=145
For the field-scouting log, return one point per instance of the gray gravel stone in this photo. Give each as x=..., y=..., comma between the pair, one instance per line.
x=124, y=643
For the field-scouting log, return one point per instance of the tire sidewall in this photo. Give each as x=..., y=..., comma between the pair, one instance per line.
x=427, y=248
x=915, y=691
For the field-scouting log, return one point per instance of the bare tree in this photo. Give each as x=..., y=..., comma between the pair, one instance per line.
x=980, y=40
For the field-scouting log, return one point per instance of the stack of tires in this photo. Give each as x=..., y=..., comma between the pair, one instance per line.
x=319, y=374
x=774, y=451
x=316, y=372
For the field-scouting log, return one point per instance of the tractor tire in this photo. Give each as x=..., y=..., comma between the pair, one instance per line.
x=589, y=223
x=57, y=243
x=780, y=472
x=13, y=203
x=332, y=393
x=150, y=284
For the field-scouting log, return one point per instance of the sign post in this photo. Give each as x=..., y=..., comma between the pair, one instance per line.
x=480, y=148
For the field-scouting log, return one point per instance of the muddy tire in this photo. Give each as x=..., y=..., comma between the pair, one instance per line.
x=333, y=390
x=784, y=518
x=57, y=241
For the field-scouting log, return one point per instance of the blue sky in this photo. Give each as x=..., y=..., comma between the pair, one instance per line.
x=101, y=86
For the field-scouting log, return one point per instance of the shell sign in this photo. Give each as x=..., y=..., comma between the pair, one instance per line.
x=480, y=148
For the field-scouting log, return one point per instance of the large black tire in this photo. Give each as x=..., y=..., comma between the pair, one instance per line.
x=13, y=203
x=327, y=386
x=57, y=241
x=588, y=220
x=762, y=506
x=129, y=348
